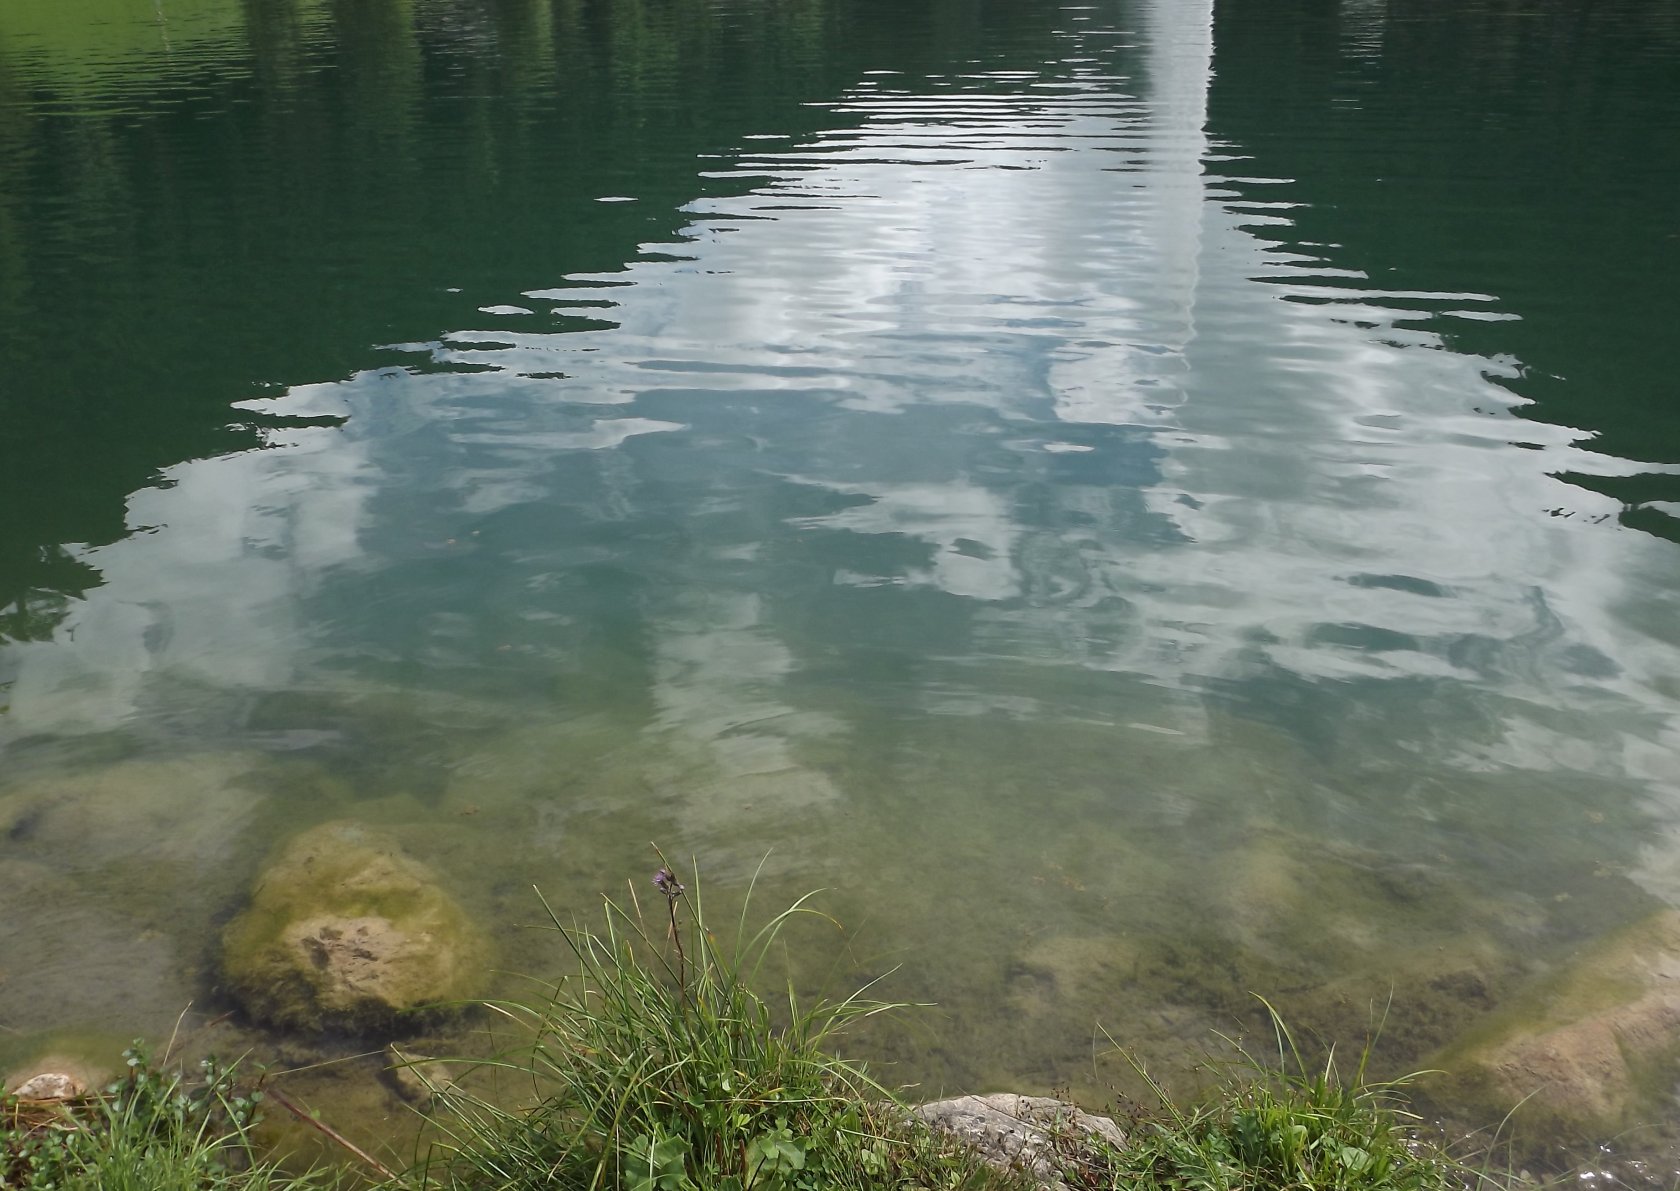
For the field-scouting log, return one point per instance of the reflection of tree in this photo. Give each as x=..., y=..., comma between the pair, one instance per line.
x=15, y=146
x=207, y=224
x=379, y=67
x=34, y=613
x=275, y=30
x=1544, y=172
x=33, y=616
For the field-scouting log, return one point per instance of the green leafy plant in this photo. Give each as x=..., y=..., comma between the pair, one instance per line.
x=152, y=1130
x=654, y=1163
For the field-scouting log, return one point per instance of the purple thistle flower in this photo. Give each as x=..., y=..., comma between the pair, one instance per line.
x=667, y=883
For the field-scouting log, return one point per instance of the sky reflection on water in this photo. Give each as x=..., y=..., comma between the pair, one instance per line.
x=994, y=431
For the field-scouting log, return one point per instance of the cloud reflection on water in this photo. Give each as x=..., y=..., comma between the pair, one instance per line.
x=1269, y=485
x=824, y=443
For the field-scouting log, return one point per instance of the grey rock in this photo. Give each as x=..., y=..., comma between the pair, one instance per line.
x=50, y=1085
x=1013, y=1132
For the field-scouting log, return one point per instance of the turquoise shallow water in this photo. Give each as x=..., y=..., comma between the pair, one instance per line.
x=1146, y=503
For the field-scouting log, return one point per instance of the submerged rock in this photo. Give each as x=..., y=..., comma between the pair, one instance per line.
x=1593, y=1049
x=68, y=955
x=1014, y=1132
x=346, y=932
x=418, y=1079
x=188, y=813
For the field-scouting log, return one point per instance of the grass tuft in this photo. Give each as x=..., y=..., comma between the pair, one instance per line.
x=656, y=1066
x=1291, y=1126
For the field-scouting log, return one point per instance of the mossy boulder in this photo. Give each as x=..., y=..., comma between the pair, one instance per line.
x=1591, y=1050
x=345, y=932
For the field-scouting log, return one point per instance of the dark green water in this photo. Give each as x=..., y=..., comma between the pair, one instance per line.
x=1147, y=502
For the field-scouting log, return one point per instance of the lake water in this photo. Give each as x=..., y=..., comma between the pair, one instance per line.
x=1146, y=502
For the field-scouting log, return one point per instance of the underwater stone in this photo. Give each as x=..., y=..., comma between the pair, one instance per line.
x=1593, y=1049
x=190, y=813
x=418, y=1079
x=346, y=932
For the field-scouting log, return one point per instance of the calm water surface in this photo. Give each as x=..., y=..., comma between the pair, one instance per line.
x=1146, y=501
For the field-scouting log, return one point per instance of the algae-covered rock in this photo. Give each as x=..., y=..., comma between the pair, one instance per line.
x=346, y=932
x=418, y=1079
x=1593, y=1048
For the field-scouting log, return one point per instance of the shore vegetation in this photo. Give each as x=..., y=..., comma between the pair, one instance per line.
x=658, y=1064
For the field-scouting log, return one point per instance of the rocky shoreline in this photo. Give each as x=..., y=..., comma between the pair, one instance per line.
x=345, y=935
